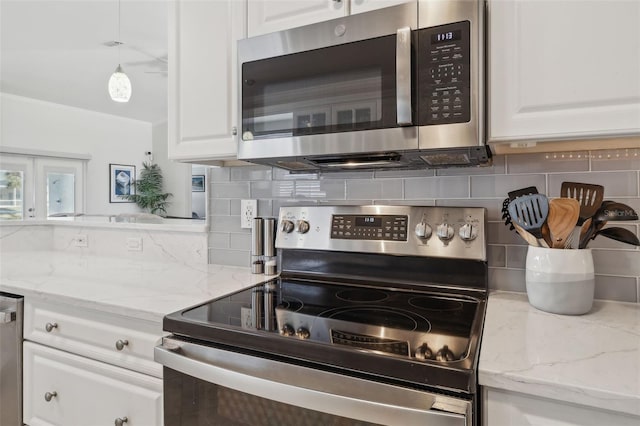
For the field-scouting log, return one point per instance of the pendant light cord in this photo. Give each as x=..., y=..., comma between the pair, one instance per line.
x=119, y=40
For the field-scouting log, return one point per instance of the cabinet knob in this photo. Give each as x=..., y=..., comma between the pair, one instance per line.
x=234, y=131
x=50, y=326
x=120, y=344
x=121, y=420
x=50, y=395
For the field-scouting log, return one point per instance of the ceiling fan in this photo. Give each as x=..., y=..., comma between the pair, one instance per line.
x=155, y=62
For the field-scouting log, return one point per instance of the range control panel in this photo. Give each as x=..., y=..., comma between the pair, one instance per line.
x=453, y=232
x=445, y=74
x=371, y=227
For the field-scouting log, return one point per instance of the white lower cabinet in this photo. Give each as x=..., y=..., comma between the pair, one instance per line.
x=505, y=408
x=69, y=390
x=85, y=367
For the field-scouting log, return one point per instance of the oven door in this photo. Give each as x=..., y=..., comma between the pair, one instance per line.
x=338, y=87
x=205, y=385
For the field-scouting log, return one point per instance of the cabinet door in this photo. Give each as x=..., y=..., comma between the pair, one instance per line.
x=65, y=389
x=202, y=78
x=502, y=408
x=563, y=69
x=359, y=6
x=266, y=16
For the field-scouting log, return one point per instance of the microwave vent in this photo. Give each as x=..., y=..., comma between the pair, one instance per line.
x=461, y=157
x=295, y=166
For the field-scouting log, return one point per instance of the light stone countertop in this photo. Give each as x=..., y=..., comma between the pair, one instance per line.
x=133, y=288
x=591, y=359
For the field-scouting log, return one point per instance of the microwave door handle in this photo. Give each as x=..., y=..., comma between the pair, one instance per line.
x=403, y=76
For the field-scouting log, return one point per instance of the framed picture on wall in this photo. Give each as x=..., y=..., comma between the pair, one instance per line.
x=197, y=183
x=121, y=182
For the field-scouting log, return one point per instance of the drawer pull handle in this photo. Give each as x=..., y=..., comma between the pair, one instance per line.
x=50, y=395
x=50, y=326
x=121, y=420
x=120, y=344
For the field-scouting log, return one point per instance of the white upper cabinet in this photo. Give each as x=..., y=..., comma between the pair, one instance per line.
x=359, y=6
x=202, y=78
x=563, y=69
x=266, y=16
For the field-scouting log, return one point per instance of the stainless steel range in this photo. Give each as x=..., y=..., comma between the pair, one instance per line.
x=376, y=318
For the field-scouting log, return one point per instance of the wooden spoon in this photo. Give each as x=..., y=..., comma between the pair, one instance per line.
x=563, y=215
x=527, y=236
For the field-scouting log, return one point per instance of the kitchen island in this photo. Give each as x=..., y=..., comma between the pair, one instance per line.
x=542, y=362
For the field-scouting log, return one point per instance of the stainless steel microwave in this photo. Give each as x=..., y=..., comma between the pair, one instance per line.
x=400, y=87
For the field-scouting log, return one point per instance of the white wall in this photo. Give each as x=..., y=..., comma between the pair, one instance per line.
x=33, y=124
x=176, y=176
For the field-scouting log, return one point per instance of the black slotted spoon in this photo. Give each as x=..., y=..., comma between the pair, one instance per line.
x=530, y=212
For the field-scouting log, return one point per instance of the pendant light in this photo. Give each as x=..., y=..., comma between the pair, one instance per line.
x=119, y=83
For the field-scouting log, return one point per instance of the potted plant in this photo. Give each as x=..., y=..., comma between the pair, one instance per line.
x=149, y=195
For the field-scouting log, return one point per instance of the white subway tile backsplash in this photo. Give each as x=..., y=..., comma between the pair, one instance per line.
x=616, y=184
x=230, y=190
x=500, y=185
x=507, y=279
x=436, y=187
x=240, y=241
x=250, y=173
x=272, y=189
x=547, y=163
x=617, y=265
x=619, y=159
x=320, y=189
x=374, y=189
x=622, y=289
x=496, y=256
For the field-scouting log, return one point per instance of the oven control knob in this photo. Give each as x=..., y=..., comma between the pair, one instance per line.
x=423, y=230
x=302, y=227
x=445, y=354
x=445, y=231
x=424, y=352
x=303, y=333
x=286, y=226
x=468, y=232
x=287, y=330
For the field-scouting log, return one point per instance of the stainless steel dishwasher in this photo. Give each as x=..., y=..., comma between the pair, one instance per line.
x=10, y=359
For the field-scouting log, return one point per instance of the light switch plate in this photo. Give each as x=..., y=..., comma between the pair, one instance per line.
x=134, y=244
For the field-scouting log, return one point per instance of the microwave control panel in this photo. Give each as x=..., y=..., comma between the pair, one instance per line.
x=444, y=74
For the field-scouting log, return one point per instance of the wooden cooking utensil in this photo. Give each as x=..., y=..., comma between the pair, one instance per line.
x=563, y=215
x=528, y=237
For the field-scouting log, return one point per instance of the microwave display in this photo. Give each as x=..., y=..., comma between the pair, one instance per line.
x=444, y=74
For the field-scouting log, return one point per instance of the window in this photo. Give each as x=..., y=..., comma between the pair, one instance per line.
x=33, y=187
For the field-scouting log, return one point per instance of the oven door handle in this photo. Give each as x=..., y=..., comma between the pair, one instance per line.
x=403, y=77
x=313, y=389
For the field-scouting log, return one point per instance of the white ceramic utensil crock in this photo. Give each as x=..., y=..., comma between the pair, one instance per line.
x=560, y=281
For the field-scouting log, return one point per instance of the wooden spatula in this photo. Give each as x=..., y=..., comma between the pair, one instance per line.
x=562, y=219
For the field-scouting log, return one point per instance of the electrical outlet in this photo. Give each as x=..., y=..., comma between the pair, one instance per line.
x=134, y=244
x=81, y=240
x=248, y=211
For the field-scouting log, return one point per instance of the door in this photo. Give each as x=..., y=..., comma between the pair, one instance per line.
x=17, y=197
x=59, y=186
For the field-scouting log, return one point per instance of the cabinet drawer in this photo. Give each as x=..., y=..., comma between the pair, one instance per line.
x=98, y=335
x=85, y=392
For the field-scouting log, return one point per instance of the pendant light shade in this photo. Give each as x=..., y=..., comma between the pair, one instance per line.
x=119, y=83
x=119, y=86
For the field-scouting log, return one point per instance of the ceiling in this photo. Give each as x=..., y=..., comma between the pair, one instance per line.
x=55, y=50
